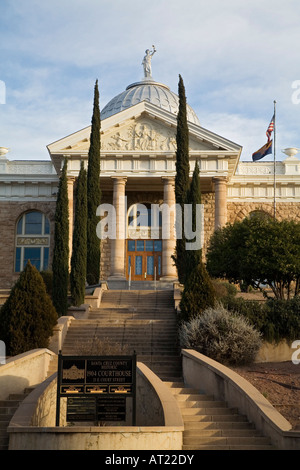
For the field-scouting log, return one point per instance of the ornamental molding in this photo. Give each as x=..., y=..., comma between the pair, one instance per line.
x=32, y=241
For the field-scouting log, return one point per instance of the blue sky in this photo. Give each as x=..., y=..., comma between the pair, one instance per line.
x=235, y=57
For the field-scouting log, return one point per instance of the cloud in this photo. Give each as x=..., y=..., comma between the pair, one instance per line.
x=235, y=59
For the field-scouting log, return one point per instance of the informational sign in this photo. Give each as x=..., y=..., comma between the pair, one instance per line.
x=96, y=387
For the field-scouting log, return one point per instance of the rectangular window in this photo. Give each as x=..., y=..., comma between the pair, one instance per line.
x=140, y=245
x=33, y=223
x=157, y=245
x=46, y=258
x=131, y=245
x=150, y=265
x=138, y=265
x=34, y=256
x=18, y=260
x=47, y=227
x=149, y=245
x=20, y=226
x=159, y=265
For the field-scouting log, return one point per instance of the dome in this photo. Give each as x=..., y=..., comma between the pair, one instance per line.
x=147, y=90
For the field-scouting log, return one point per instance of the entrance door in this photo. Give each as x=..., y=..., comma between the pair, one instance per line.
x=144, y=259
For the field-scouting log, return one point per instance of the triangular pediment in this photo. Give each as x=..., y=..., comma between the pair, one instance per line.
x=143, y=127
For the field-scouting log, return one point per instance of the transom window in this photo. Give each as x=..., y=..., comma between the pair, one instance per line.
x=32, y=241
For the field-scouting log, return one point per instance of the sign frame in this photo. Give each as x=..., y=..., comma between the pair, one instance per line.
x=98, y=376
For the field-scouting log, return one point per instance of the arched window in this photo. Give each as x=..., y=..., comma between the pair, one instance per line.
x=32, y=241
x=260, y=214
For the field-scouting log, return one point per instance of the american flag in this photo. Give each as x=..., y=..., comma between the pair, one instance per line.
x=270, y=128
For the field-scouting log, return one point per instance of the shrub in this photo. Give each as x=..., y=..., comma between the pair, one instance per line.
x=276, y=319
x=48, y=280
x=223, y=336
x=198, y=293
x=224, y=289
x=28, y=316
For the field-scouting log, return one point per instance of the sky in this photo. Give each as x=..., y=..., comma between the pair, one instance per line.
x=235, y=57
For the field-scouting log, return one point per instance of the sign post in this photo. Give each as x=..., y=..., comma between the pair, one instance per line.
x=96, y=387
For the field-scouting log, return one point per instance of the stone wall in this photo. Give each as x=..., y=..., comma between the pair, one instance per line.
x=237, y=211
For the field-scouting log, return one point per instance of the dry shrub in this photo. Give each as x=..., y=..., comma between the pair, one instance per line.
x=221, y=335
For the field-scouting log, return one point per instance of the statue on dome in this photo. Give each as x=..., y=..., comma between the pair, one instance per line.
x=147, y=62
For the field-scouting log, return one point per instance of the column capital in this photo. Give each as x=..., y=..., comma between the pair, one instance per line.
x=170, y=179
x=121, y=179
x=220, y=179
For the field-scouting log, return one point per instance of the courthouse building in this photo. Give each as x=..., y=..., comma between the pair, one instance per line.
x=138, y=145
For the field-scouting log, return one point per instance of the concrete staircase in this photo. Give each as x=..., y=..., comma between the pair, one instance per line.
x=8, y=408
x=210, y=425
x=143, y=321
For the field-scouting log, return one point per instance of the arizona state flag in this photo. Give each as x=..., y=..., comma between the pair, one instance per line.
x=263, y=151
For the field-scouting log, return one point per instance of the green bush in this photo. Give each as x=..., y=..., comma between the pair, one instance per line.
x=224, y=289
x=221, y=335
x=276, y=319
x=198, y=293
x=27, y=317
x=48, y=280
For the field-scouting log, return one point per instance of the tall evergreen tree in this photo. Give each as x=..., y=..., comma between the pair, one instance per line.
x=60, y=264
x=79, y=249
x=28, y=316
x=194, y=198
x=182, y=181
x=94, y=195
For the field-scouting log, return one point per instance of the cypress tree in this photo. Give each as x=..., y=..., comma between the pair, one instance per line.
x=60, y=264
x=94, y=194
x=182, y=181
x=28, y=316
x=193, y=257
x=198, y=293
x=79, y=249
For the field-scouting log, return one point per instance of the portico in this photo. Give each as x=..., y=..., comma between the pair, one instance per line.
x=138, y=162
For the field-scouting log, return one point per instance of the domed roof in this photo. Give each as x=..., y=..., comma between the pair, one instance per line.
x=147, y=90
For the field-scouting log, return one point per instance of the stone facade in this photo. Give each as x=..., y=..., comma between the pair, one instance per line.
x=284, y=210
x=138, y=161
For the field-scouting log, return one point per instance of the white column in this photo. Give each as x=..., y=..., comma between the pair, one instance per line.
x=220, y=201
x=118, y=244
x=169, y=271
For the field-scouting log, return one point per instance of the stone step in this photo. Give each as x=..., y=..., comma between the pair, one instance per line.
x=9, y=402
x=221, y=432
x=216, y=425
x=188, y=418
x=186, y=397
x=198, y=441
x=200, y=404
x=8, y=409
x=208, y=411
x=227, y=447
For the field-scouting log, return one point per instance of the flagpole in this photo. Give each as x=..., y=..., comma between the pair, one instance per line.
x=274, y=153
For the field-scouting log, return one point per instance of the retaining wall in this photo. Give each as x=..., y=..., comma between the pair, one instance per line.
x=204, y=373
x=159, y=422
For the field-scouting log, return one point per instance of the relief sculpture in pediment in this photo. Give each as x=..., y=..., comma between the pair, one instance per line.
x=141, y=136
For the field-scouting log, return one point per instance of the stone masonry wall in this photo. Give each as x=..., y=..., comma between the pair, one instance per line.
x=237, y=211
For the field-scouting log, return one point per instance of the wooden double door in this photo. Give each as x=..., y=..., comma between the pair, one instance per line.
x=144, y=260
